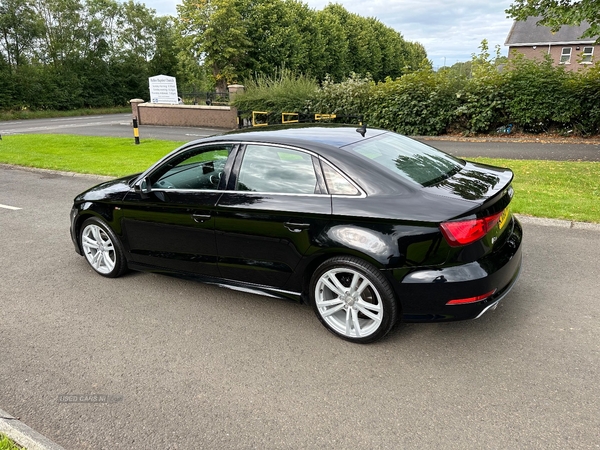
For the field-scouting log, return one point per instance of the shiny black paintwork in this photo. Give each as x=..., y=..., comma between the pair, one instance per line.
x=271, y=243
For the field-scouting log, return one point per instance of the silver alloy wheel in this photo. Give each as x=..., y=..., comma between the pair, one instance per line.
x=98, y=249
x=348, y=302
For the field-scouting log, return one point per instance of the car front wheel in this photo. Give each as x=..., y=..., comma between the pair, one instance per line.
x=102, y=248
x=353, y=299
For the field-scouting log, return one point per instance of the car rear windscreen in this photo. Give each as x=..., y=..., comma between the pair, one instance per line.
x=410, y=159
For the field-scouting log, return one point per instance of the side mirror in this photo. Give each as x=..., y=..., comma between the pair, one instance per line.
x=143, y=187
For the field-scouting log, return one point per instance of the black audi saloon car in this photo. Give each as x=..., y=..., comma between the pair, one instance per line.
x=365, y=225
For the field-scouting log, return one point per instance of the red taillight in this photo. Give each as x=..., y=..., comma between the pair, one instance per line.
x=463, y=301
x=465, y=232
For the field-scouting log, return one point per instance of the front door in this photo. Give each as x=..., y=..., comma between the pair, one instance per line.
x=172, y=226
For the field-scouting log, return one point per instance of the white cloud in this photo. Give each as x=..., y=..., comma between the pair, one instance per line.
x=450, y=30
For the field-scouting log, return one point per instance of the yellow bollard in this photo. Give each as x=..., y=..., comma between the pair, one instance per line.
x=136, y=131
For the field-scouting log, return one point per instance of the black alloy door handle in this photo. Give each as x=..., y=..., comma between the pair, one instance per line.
x=200, y=218
x=296, y=227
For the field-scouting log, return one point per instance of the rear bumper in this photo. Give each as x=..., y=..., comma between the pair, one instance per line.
x=492, y=306
x=423, y=294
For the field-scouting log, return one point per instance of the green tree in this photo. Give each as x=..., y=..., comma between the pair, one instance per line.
x=281, y=32
x=555, y=13
x=20, y=26
x=214, y=31
x=164, y=60
x=334, y=57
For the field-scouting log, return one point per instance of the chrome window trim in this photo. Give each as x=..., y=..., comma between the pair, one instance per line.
x=362, y=193
x=229, y=191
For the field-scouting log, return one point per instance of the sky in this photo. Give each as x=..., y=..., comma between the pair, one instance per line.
x=450, y=30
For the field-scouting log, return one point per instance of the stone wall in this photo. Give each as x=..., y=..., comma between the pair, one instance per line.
x=184, y=115
x=187, y=115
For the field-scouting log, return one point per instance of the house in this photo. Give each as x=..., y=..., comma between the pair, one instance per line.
x=565, y=47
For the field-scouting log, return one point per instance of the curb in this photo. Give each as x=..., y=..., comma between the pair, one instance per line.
x=23, y=435
x=512, y=139
x=558, y=223
x=57, y=172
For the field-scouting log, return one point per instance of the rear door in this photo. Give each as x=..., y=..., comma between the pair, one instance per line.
x=274, y=208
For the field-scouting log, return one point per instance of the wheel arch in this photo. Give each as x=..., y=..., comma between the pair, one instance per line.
x=388, y=311
x=319, y=258
x=87, y=210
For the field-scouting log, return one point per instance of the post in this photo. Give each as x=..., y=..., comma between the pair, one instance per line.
x=234, y=89
x=136, y=131
x=135, y=102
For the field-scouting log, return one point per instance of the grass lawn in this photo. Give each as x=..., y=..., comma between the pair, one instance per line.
x=559, y=190
x=553, y=189
x=83, y=154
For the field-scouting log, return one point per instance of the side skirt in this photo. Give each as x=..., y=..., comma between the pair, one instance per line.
x=250, y=288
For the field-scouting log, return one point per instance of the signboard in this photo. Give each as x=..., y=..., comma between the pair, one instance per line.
x=163, y=89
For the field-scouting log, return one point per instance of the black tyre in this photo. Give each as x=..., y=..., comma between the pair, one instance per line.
x=353, y=299
x=102, y=248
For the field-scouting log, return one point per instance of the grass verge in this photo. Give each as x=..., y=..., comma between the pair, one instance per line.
x=7, y=444
x=27, y=114
x=552, y=189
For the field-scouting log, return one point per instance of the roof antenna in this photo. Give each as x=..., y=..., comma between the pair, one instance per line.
x=362, y=130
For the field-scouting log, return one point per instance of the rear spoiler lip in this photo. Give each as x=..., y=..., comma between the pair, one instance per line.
x=486, y=201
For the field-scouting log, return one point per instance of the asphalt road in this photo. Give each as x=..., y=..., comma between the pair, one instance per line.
x=519, y=150
x=120, y=125
x=191, y=366
x=114, y=125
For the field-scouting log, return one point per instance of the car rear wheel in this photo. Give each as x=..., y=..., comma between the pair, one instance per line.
x=353, y=299
x=102, y=248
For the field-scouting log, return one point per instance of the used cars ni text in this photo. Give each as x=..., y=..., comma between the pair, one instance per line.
x=367, y=226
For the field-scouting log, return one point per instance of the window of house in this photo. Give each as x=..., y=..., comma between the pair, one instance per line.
x=586, y=56
x=565, y=57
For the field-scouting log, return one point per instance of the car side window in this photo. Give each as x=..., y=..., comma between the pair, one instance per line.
x=276, y=170
x=336, y=183
x=196, y=168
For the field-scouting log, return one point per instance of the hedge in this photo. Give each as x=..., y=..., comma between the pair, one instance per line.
x=533, y=96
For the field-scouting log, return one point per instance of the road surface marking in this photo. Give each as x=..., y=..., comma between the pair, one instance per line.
x=76, y=118
x=56, y=127
x=9, y=207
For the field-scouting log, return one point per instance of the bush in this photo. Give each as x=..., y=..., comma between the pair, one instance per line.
x=533, y=96
x=482, y=98
x=539, y=95
x=419, y=103
x=587, y=89
x=352, y=96
x=284, y=92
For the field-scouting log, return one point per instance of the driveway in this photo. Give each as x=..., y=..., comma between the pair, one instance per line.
x=190, y=366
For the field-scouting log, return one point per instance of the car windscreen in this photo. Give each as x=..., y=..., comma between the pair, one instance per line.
x=410, y=159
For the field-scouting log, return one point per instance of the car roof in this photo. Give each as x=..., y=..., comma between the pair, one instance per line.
x=326, y=140
x=306, y=134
